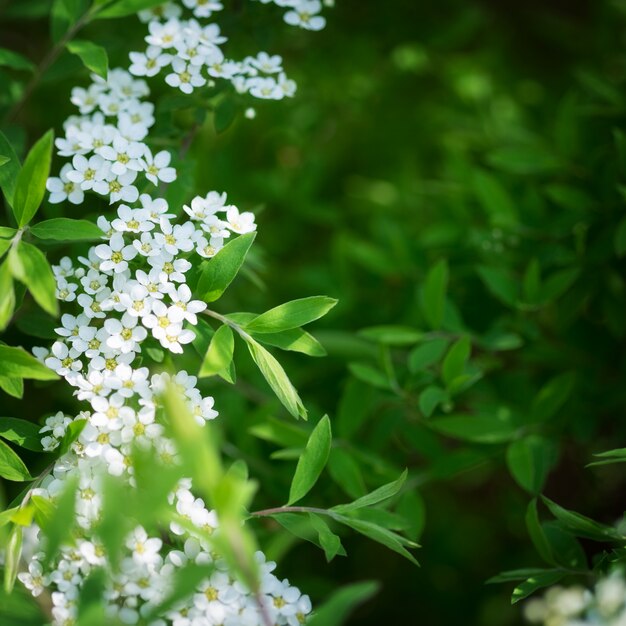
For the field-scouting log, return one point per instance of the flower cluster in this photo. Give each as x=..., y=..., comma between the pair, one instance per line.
x=577, y=606
x=106, y=142
x=148, y=566
x=191, y=55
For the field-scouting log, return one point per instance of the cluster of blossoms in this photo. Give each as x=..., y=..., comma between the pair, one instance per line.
x=106, y=142
x=148, y=566
x=132, y=289
x=302, y=13
x=191, y=54
x=577, y=606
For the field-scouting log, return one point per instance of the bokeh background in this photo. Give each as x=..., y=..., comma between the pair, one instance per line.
x=483, y=132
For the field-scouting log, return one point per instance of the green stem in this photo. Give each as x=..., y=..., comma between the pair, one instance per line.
x=290, y=509
x=222, y=318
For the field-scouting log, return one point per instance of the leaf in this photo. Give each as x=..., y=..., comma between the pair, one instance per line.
x=523, y=160
x=582, y=526
x=392, y=335
x=24, y=434
x=312, y=461
x=291, y=315
x=454, y=364
x=65, y=229
x=12, y=555
x=17, y=363
x=10, y=170
x=122, y=8
x=30, y=266
x=375, y=497
x=475, y=428
x=537, y=534
x=342, y=603
x=31, y=181
x=426, y=354
x=331, y=544
x=500, y=283
x=538, y=581
x=355, y=405
x=225, y=114
x=220, y=352
x=60, y=525
x=369, y=374
x=277, y=379
x=430, y=398
x=94, y=57
x=345, y=471
x=11, y=466
x=14, y=60
x=71, y=435
x=7, y=295
x=529, y=460
x=220, y=271
x=518, y=574
x=494, y=198
x=552, y=396
x=434, y=294
x=294, y=340
x=13, y=386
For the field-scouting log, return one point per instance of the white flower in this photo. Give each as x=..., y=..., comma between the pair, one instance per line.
x=66, y=291
x=87, y=171
x=203, y=8
x=156, y=207
x=123, y=154
x=137, y=302
x=145, y=549
x=173, y=239
x=118, y=187
x=63, y=360
x=216, y=227
x=164, y=35
x=266, y=63
x=150, y=63
x=124, y=334
x=185, y=76
x=116, y=254
x=63, y=188
x=240, y=222
x=132, y=220
x=304, y=15
x=265, y=88
x=181, y=297
x=157, y=168
x=209, y=248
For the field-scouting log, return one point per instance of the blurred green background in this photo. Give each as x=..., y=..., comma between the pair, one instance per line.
x=486, y=133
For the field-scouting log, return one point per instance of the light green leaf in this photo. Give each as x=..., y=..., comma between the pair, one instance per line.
x=291, y=315
x=21, y=432
x=294, y=340
x=60, y=525
x=220, y=352
x=538, y=581
x=331, y=544
x=13, y=386
x=345, y=471
x=10, y=170
x=11, y=466
x=31, y=181
x=94, y=57
x=430, y=398
x=220, y=271
x=456, y=360
x=312, y=461
x=277, y=379
x=375, y=497
x=434, y=294
x=14, y=60
x=12, y=555
x=427, y=354
x=336, y=610
x=17, y=363
x=7, y=295
x=475, y=428
x=392, y=335
x=66, y=229
x=30, y=266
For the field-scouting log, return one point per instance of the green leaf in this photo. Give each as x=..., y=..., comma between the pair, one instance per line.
x=277, y=379
x=375, y=497
x=312, y=461
x=426, y=354
x=582, y=526
x=122, y=8
x=529, y=460
x=456, y=360
x=31, y=181
x=220, y=271
x=294, y=340
x=71, y=435
x=518, y=574
x=10, y=170
x=524, y=160
x=12, y=555
x=225, y=114
x=370, y=375
x=66, y=229
x=291, y=315
x=392, y=335
x=494, y=198
x=24, y=434
x=538, y=581
x=500, y=283
x=537, y=534
x=355, y=405
x=434, y=294
x=30, y=266
x=7, y=295
x=60, y=525
x=13, y=386
x=11, y=466
x=552, y=396
x=336, y=610
x=430, y=398
x=14, y=60
x=475, y=428
x=220, y=353
x=331, y=544
x=17, y=363
x=94, y=57
x=345, y=471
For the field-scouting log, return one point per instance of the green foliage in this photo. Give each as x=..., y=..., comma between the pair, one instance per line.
x=93, y=57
